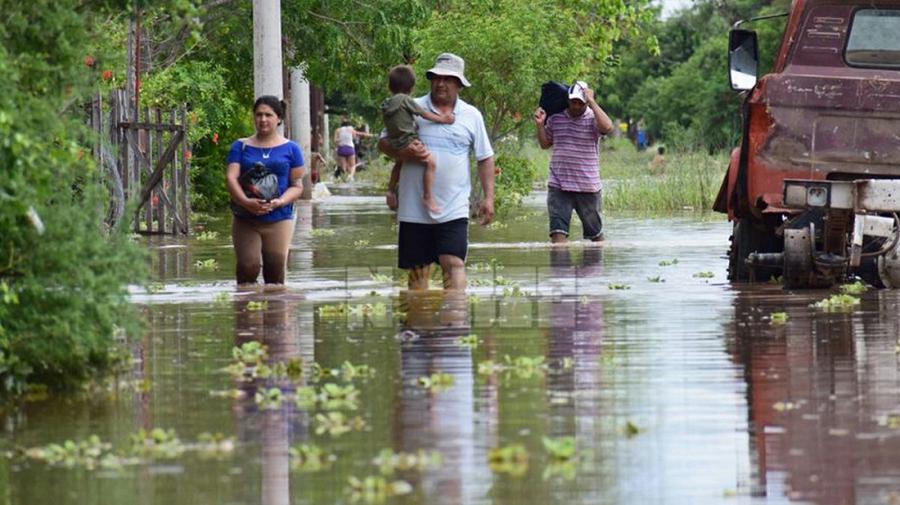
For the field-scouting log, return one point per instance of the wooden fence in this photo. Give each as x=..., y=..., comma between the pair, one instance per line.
x=146, y=161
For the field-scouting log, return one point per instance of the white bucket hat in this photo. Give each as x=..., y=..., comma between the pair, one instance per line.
x=449, y=64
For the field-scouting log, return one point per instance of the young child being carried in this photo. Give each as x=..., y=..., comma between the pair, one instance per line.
x=399, y=113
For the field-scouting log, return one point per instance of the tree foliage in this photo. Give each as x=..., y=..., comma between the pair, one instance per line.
x=512, y=47
x=683, y=95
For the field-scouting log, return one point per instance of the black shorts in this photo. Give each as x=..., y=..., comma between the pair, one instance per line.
x=421, y=244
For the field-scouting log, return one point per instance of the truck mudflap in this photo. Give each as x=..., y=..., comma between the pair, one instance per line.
x=860, y=220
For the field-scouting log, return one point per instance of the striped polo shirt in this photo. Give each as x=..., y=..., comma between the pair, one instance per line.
x=575, y=163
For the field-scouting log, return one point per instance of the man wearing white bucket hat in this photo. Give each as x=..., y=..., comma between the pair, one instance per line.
x=574, y=181
x=441, y=237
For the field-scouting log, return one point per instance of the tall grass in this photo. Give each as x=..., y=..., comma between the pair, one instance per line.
x=690, y=179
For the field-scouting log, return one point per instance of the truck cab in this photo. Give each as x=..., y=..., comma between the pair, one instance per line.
x=813, y=189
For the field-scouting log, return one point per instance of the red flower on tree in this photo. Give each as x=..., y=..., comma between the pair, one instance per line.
x=215, y=139
x=89, y=61
x=107, y=74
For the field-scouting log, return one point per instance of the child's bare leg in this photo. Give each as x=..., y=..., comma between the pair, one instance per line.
x=428, y=184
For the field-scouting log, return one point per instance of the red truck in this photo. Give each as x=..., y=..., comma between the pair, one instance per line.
x=813, y=189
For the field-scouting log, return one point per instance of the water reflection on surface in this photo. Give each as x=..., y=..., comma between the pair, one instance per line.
x=676, y=387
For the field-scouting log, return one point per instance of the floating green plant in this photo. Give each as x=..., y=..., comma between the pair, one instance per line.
x=222, y=298
x=156, y=443
x=257, y=306
x=838, y=303
x=90, y=454
x=336, y=424
x=855, y=288
x=322, y=232
x=469, y=341
x=525, y=367
x=206, y=265
x=269, y=398
x=562, y=448
x=375, y=489
x=704, y=275
x=613, y=285
x=631, y=429
x=489, y=266
x=389, y=461
x=668, y=263
x=333, y=310
x=382, y=279
x=155, y=287
x=334, y=396
x=511, y=460
x=656, y=279
x=497, y=225
x=214, y=444
x=234, y=394
x=514, y=291
x=438, y=381
x=207, y=236
x=368, y=309
x=250, y=352
x=778, y=317
x=891, y=421
x=361, y=243
x=567, y=362
x=306, y=397
x=785, y=406
x=310, y=458
x=349, y=371
x=776, y=279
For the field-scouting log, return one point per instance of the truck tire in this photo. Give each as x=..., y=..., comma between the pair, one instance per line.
x=750, y=236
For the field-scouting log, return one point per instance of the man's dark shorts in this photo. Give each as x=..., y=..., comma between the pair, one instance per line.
x=587, y=205
x=422, y=244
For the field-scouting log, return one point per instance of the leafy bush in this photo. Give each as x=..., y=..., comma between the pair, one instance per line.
x=514, y=180
x=62, y=274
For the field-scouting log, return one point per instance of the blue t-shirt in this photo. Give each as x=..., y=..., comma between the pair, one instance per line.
x=279, y=160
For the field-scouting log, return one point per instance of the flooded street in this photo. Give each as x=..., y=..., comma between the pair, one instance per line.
x=674, y=386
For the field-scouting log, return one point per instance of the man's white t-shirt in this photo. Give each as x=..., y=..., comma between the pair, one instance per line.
x=450, y=145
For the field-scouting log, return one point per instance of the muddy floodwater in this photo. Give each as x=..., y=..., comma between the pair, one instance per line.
x=626, y=373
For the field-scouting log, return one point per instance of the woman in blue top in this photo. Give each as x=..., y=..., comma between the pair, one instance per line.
x=264, y=239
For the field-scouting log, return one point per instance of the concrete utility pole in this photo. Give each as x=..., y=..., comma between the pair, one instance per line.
x=267, y=61
x=301, y=126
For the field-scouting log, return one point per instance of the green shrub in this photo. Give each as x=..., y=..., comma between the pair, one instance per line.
x=63, y=275
x=515, y=180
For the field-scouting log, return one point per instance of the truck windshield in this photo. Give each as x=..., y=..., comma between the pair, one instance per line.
x=873, y=40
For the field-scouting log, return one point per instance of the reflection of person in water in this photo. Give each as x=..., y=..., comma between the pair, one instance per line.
x=274, y=327
x=445, y=421
x=575, y=332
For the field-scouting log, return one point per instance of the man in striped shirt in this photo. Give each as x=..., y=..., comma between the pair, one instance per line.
x=574, y=181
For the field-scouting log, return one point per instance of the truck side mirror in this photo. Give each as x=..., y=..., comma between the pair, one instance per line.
x=743, y=59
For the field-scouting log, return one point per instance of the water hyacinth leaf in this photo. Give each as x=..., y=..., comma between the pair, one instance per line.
x=511, y=460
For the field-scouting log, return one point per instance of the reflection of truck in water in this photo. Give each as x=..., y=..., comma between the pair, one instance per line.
x=814, y=188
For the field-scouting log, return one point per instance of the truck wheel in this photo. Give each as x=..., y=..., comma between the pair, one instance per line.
x=749, y=236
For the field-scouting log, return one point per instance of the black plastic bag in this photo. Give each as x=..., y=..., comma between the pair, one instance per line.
x=554, y=97
x=258, y=183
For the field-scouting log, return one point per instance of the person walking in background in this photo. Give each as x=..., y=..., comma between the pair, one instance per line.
x=399, y=113
x=346, y=152
x=658, y=164
x=261, y=229
x=574, y=181
x=443, y=237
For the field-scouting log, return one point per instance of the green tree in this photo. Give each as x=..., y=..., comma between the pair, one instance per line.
x=63, y=274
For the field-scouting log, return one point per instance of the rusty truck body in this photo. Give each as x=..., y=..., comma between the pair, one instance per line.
x=813, y=189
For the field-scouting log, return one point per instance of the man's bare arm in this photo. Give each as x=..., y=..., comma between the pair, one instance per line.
x=486, y=174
